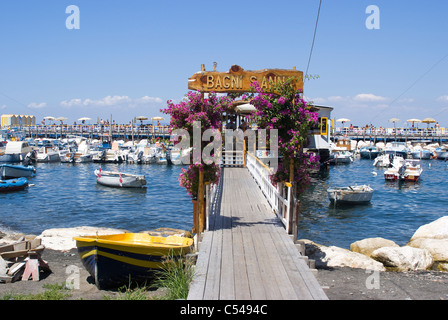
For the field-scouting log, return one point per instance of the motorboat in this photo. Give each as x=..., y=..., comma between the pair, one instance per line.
x=108, y=156
x=119, y=259
x=48, y=152
x=83, y=154
x=15, y=151
x=11, y=171
x=176, y=155
x=421, y=154
x=388, y=160
x=397, y=148
x=17, y=184
x=409, y=170
x=442, y=152
x=119, y=179
x=351, y=194
x=340, y=157
x=369, y=152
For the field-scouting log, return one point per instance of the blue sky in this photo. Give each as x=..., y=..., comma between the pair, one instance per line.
x=129, y=57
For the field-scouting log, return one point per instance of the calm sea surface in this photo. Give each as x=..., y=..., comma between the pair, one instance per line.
x=67, y=195
x=396, y=211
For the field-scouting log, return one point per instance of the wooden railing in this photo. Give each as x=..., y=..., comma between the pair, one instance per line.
x=279, y=197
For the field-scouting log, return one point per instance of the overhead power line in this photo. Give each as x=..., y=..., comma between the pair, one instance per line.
x=314, y=38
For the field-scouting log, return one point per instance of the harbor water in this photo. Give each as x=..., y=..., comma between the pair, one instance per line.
x=396, y=211
x=65, y=195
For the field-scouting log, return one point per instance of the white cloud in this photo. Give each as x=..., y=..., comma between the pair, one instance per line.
x=35, y=105
x=336, y=98
x=111, y=101
x=443, y=98
x=366, y=97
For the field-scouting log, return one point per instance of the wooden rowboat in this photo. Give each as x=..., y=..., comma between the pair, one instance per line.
x=115, y=260
x=119, y=179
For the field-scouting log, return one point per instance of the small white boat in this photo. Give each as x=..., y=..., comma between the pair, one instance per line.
x=341, y=157
x=15, y=151
x=119, y=179
x=421, y=154
x=410, y=170
x=351, y=194
x=442, y=152
x=48, y=153
x=10, y=171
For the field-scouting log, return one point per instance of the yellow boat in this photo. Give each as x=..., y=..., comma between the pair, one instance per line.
x=114, y=260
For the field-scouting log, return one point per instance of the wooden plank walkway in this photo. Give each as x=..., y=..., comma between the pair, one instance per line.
x=247, y=254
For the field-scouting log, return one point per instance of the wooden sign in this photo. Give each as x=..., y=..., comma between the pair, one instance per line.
x=238, y=80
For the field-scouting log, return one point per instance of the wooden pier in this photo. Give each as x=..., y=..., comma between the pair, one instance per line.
x=246, y=254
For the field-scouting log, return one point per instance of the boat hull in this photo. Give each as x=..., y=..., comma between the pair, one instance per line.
x=16, y=171
x=117, y=260
x=354, y=196
x=13, y=185
x=117, y=180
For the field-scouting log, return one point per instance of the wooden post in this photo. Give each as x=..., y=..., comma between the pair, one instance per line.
x=201, y=213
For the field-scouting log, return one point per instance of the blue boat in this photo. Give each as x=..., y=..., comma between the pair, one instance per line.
x=13, y=184
x=10, y=171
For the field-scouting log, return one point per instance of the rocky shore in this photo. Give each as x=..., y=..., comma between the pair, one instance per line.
x=373, y=269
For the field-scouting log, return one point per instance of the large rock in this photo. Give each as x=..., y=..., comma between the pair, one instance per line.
x=62, y=238
x=367, y=246
x=434, y=238
x=437, y=229
x=437, y=247
x=404, y=258
x=327, y=257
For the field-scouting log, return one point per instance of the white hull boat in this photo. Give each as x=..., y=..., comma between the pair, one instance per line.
x=47, y=154
x=410, y=170
x=9, y=171
x=119, y=179
x=351, y=194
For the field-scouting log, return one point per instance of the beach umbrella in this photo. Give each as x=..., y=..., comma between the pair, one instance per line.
x=428, y=121
x=157, y=118
x=141, y=118
x=61, y=119
x=49, y=118
x=343, y=120
x=84, y=119
x=394, y=120
x=413, y=121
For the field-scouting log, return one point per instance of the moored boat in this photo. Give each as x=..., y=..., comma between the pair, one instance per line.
x=115, y=260
x=442, y=152
x=119, y=179
x=13, y=184
x=351, y=194
x=410, y=170
x=10, y=171
x=340, y=157
x=369, y=152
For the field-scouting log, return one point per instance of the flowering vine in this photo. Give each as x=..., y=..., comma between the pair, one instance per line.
x=281, y=107
x=183, y=115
